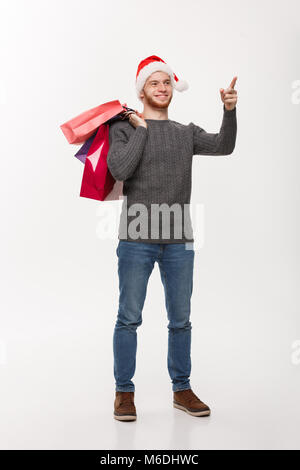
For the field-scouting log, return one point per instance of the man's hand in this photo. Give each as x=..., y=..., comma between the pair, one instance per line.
x=229, y=96
x=136, y=119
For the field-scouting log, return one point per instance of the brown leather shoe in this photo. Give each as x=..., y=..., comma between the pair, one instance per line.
x=124, y=406
x=187, y=401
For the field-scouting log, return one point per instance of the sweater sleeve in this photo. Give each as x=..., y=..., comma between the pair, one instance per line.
x=125, y=149
x=221, y=143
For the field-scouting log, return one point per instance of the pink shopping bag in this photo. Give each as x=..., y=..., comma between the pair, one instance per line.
x=81, y=127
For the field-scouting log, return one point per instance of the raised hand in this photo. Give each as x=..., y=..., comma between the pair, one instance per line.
x=229, y=96
x=135, y=118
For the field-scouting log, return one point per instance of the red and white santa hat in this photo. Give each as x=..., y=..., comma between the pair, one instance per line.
x=152, y=64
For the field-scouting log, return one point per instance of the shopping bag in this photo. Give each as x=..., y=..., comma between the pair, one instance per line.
x=82, y=152
x=97, y=181
x=83, y=126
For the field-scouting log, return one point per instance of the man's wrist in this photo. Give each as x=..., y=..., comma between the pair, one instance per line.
x=225, y=109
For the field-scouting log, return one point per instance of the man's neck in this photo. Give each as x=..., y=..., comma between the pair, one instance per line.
x=160, y=114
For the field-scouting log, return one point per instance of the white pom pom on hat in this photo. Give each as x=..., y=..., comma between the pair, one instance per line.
x=153, y=64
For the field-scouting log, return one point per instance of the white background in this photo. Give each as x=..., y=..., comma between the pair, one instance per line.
x=59, y=281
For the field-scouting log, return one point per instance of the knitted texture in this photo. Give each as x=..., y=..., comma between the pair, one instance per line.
x=155, y=165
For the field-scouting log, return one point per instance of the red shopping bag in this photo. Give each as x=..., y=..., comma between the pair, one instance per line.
x=97, y=181
x=81, y=127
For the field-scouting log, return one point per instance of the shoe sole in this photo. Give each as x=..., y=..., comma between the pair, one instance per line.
x=193, y=413
x=125, y=417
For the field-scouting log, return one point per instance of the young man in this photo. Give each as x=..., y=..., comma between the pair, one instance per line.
x=153, y=155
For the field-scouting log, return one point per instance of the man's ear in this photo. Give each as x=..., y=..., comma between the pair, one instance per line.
x=142, y=93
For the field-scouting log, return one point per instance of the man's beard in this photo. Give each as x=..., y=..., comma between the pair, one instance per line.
x=156, y=103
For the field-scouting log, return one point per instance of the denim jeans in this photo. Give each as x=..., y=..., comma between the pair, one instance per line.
x=135, y=264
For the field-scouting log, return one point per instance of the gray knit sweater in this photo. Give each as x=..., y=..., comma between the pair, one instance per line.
x=155, y=165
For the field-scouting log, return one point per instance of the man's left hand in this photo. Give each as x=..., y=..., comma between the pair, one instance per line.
x=229, y=96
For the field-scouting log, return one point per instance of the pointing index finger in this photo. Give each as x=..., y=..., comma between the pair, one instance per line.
x=232, y=84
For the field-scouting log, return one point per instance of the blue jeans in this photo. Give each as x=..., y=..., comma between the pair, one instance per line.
x=135, y=264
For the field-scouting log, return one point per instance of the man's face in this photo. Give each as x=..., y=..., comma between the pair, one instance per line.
x=158, y=90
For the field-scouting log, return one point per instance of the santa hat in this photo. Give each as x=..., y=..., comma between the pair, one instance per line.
x=155, y=64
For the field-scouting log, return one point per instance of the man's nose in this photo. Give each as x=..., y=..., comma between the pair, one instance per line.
x=162, y=88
